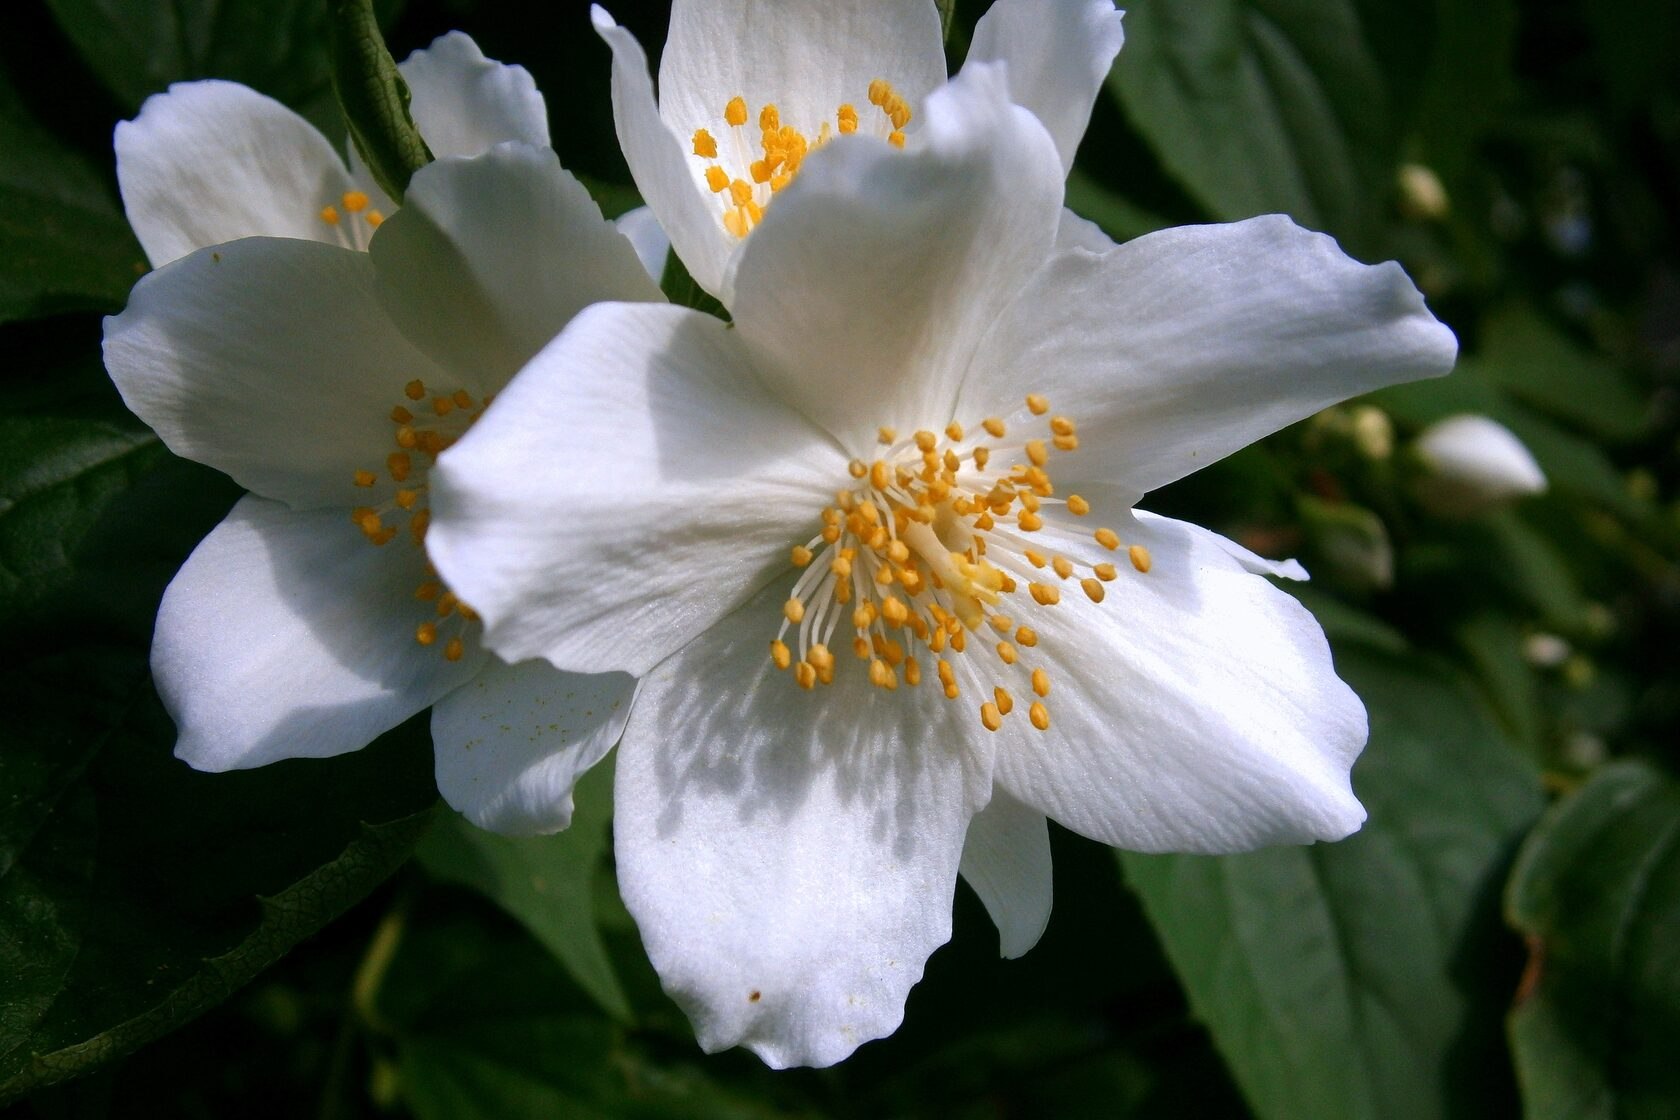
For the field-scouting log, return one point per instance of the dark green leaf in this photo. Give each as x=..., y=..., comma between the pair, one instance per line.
x=1361, y=979
x=1596, y=890
x=56, y=477
x=1534, y=362
x=679, y=287
x=1263, y=105
x=64, y=243
x=546, y=882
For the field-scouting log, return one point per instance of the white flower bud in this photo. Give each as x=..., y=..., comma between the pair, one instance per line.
x=1474, y=464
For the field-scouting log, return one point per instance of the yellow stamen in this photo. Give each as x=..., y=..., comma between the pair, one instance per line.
x=329, y=215
x=780, y=654
x=704, y=146
x=793, y=610
x=1093, y=589
x=1005, y=702
x=1039, y=715
x=1108, y=538
x=354, y=201
x=990, y=718
x=1078, y=506
x=1139, y=557
x=1041, y=682
x=736, y=111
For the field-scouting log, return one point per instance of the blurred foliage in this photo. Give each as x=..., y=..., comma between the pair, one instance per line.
x=1465, y=955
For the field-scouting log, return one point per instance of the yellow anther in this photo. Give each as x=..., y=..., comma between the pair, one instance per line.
x=881, y=675
x=860, y=646
x=994, y=426
x=863, y=616
x=736, y=111
x=1007, y=652
x=880, y=475
x=847, y=117
x=1065, y=443
x=1036, y=559
x=1041, y=682
x=820, y=657
x=879, y=90
x=1078, y=506
x=926, y=440
x=1029, y=521
x=1108, y=538
x=898, y=111
x=741, y=191
x=354, y=201
x=368, y=522
x=894, y=610
x=401, y=415
x=1005, y=702
x=990, y=718
x=885, y=436
x=736, y=222
x=704, y=146
x=896, y=138
x=883, y=575
x=462, y=399
x=454, y=650
x=769, y=119
x=1039, y=715
x=329, y=214
x=1000, y=623
x=419, y=523
x=443, y=406
x=426, y=633
x=759, y=170
x=1061, y=426
x=428, y=591
x=841, y=566
x=898, y=552
x=1140, y=557
x=1063, y=566
x=912, y=672
x=1104, y=571
x=415, y=389
x=1026, y=636
x=856, y=468
x=407, y=498
x=793, y=610
x=1045, y=594
x=805, y=675
x=801, y=556
x=716, y=178
x=375, y=219
x=1093, y=589
x=1037, y=453
x=777, y=182
x=398, y=462
x=466, y=612
x=951, y=461
x=1037, y=404
x=366, y=478
x=780, y=654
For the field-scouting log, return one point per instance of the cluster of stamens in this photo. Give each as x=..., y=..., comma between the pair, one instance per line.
x=923, y=554
x=355, y=204
x=422, y=433
x=763, y=171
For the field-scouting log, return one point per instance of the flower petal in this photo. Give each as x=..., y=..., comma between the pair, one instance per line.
x=464, y=104
x=631, y=486
x=1178, y=348
x=1006, y=859
x=287, y=635
x=1194, y=709
x=511, y=742
x=872, y=280
x=647, y=237
x=790, y=856
x=213, y=161
x=491, y=256
x=269, y=359
x=1058, y=56
x=660, y=164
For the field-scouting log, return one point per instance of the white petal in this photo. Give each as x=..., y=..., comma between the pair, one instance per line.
x=464, y=104
x=511, y=742
x=268, y=359
x=1058, y=56
x=212, y=161
x=1480, y=461
x=490, y=258
x=660, y=164
x=790, y=857
x=875, y=275
x=1081, y=233
x=1178, y=348
x=647, y=237
x=288, y=635
x=1194, y=709
x=1006, y=859
x=631, y=486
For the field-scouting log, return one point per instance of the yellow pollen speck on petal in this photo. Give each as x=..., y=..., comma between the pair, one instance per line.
x=366, y=478
x=1078, y=506
x=736, y=111
x=329, y=215
x=1037, y=404
x=1005, y=702
x=454, y=650
x=1108, y=538
x=990, y=718
x=1139, y=557
x=793, y=610
x=1041, y=682
x=1093, y=589
x=780, y=654
x=993, y=425
x=1104, y=571
x=704, y=146
x=354, y=201
x=1039, y=715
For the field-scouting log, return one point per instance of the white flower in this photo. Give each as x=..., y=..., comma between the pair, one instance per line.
x=325, y=380
x=1473, y=464
x=747, y=90
x=841, y=490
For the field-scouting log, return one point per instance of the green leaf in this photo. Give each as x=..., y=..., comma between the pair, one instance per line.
x=64, y=244
x=1362, y=979
x=1596, y=890
x=1263, y=105
x=546, y=882
x=136, y=893
x=1539, y=365
x=375, y=98
x=56, y=477
x=681, y=289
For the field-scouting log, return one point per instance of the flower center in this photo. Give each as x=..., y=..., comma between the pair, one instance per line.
x=746, y=177
x=422, y=433
x=933, y=543
x=350, y=230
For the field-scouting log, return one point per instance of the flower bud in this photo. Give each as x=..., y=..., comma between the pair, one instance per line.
x=1473, y=464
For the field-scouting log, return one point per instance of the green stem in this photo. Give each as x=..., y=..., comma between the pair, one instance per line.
x=374, y=98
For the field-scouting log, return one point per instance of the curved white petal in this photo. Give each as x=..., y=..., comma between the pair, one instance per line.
x=1474, y=463
x=464, y=103
x=491, y=256
x=647, y=237
x=287, y=635
x=874, y=277
x=790, y=856
x=659, y=162
x=269, y=359
x=1076, y=232
x=1058, y=55
x=1194, y=709
x=1006, y=859
x=212, y=161
x=510, y=743
x=631, y=486
x=1174, y=350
